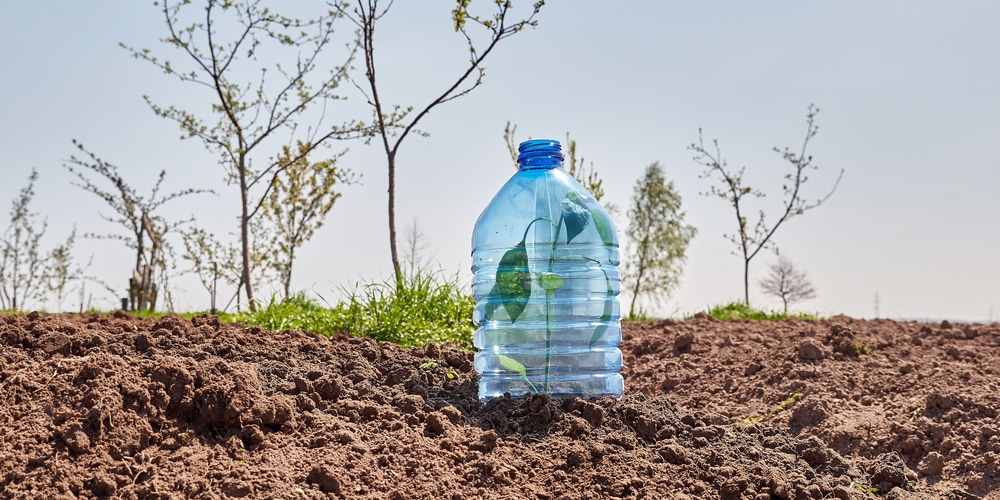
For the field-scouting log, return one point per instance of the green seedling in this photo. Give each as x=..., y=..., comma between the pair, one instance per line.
x=860, y=348
x=869, y=490
x=513, y=365
x=516, y=280
x=432, y=364
x=784, y=405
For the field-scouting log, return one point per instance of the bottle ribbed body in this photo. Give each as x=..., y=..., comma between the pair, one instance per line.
x=545, y=256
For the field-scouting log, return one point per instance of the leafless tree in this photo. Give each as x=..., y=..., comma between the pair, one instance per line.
x=414, y=247
x=787, y=283
x=750, y=243
x=145, y=230
x=62, y=270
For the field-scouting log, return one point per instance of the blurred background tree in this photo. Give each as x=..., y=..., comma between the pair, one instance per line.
x=657, y=239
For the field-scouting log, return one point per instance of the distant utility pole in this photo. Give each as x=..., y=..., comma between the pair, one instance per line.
x=876, y=305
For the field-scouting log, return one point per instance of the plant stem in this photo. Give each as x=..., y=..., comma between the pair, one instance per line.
x=548, y=337
x=548, y=308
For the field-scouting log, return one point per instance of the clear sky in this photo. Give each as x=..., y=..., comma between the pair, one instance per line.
x=909, y=92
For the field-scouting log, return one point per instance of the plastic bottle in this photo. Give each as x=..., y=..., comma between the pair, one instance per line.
x=545, y=256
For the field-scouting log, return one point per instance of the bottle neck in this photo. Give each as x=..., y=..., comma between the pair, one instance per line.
x=539, y=154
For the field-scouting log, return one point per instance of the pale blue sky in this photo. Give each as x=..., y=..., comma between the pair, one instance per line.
x=908, y=92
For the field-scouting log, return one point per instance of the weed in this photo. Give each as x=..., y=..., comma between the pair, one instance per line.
x=432, y=364
x=869, y=490
x=860, y=348
x=429, y=365
x=784, y=405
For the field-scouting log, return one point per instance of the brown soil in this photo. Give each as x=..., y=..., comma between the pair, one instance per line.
x=120, y=407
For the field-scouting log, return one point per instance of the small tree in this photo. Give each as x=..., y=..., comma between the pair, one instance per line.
x=211, y=260
x=750, y=243
x=394, y=126
x=208, y=261
x=22, y=261
x=146, y=231
x=298, y=203
x=657, y=238
x=221, y=44
x=62, y=270
x=787, y=283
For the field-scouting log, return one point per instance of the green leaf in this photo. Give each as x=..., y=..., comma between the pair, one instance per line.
x=604, y=227
x=550, y=281
x=574, y=215
x=515, y=366
x=513, y=281
x=609, y=307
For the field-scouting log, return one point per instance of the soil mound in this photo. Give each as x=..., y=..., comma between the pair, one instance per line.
x=96, y=406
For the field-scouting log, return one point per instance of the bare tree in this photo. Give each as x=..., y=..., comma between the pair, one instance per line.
x=750, y=243
x=145, y=230
x=414, y=246
x=657, y=236
x=62, y=270
x=22, y=261
x=220, y=43
x=394, y=126
x=787, y=283
x=298, y=203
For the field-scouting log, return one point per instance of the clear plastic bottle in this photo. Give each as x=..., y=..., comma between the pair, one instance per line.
x=545, y=257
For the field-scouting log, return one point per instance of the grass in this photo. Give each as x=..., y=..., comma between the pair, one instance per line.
x=422, y=308
x=739, y=310
x=425, y=307
x=295, y=312
x=641, y=315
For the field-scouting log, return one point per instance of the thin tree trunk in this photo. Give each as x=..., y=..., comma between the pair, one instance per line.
x=746, y=282
x=643, y=252
x=288, y=272
x=635, y=295
x=245, y=237
x=392, y=219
